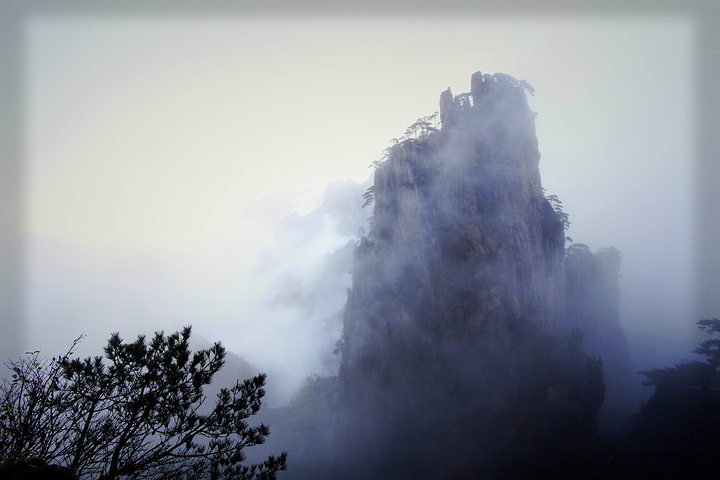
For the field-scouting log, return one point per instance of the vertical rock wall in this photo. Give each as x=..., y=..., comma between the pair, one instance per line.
x=463, y=248
x=462, y=266
x=593, y=306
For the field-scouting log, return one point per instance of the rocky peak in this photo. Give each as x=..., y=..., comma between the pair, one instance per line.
x=458, y=292
x=462, y=208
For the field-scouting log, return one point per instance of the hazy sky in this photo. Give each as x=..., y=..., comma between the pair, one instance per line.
x=163, y=154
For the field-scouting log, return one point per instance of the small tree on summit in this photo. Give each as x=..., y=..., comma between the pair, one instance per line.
x=138, y=417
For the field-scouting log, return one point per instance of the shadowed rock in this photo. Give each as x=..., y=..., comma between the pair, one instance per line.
x=34, y=469
x=452, y=358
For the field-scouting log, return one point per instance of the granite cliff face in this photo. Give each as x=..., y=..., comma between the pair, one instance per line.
x=451, y=344
x=592, y=305
x=463, y=244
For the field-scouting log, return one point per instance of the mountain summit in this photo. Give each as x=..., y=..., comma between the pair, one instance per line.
x=451, y=354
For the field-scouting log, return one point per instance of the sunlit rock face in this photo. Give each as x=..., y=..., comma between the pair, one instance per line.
x=457, y=297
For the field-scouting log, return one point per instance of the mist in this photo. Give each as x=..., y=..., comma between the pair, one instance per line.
x=210, y=172
x=285, y=286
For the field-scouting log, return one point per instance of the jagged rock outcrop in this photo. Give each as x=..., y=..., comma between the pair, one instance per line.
x=459, y=216
x=451, y=356
x=592, y=305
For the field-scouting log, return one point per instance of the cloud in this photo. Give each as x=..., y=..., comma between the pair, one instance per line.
x=273, y=294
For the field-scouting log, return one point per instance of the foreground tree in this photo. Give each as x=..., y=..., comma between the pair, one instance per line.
x=140, y=416
x=693, y=375
x=675, y=433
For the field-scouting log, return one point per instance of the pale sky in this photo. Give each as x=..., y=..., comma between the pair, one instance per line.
x=162, y=154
